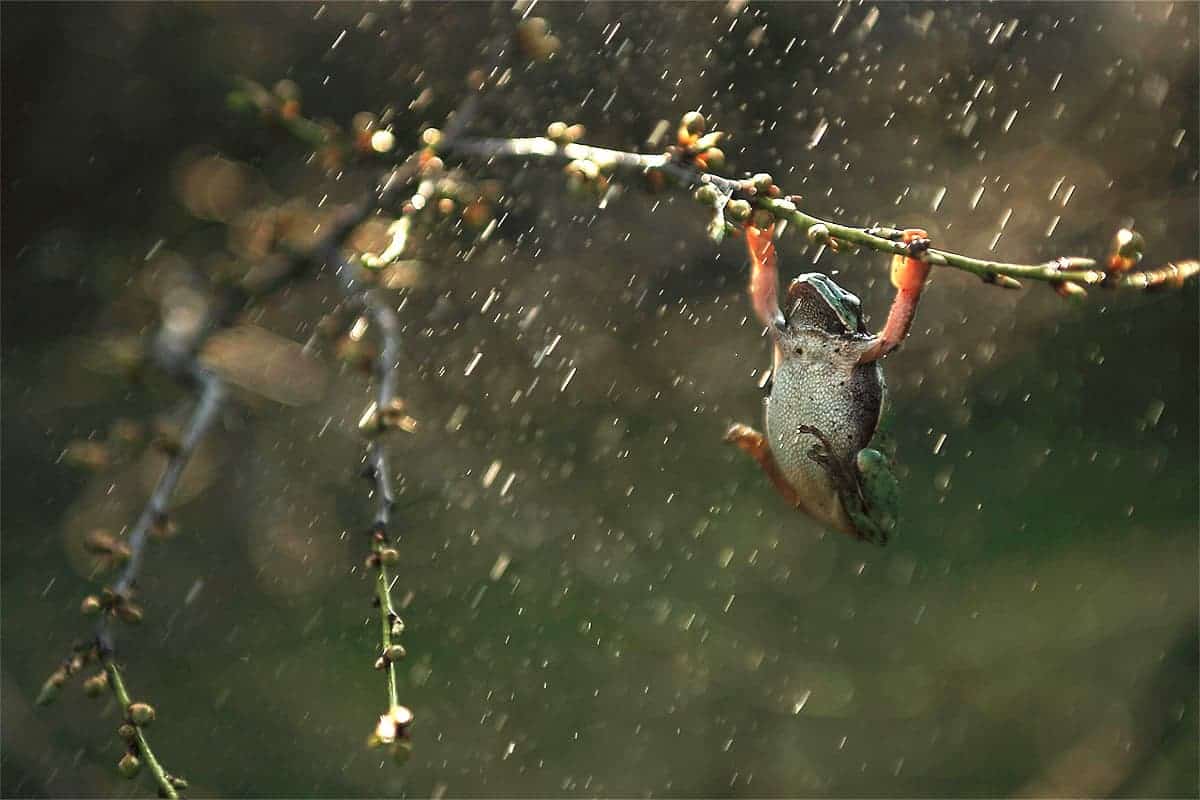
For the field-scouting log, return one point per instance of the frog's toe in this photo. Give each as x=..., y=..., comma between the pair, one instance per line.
x=743, y=436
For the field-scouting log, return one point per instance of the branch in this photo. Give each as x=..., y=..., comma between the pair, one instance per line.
x=681, y=166
x=137, y=716
x=153, y=518
x=176, y=350
x=385, y=413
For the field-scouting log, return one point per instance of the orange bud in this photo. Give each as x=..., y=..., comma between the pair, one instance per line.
x=1069, y=290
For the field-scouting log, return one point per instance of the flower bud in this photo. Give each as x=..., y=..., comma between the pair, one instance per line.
x=694, y=122
x=90, y=606
x=762, y=182
x=389, y=556
x=141, y=713
x=432, y=165
x=431, y=137
x=557, y=132
x=96, y=685
x=1070, y=290
x=714, y=158
x=52, y=687
x=130, y=614
x=129, y=766
x=738, y=210
x=707, y=194
x=534, y=39
x=583, y=167
x=395, y=652
x=127, y=732
x=1127, y=248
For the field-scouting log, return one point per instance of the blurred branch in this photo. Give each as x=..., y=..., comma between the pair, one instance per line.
x=153, y=518
x=188, y=320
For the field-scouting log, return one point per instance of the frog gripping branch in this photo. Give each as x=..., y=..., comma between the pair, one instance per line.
x=908, y=277
x=826, y=399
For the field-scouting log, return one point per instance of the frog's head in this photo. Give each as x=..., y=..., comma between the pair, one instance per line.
x=815, y=301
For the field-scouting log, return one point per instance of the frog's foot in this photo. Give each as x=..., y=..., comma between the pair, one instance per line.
x=755, y=445
x=874, y=506
x=858, y=500
x=822, y=452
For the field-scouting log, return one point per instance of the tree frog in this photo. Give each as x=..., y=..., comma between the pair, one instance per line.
x=825, y=402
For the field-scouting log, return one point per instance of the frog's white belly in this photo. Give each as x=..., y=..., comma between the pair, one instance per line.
x=825, y=402
x=815, y=490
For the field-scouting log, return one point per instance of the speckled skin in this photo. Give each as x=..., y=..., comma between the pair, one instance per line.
x=818, y=388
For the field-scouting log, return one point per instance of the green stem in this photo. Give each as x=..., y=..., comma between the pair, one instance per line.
x=386, y=615
x=122, y=694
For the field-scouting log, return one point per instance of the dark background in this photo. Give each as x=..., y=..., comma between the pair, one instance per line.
x=664, y=625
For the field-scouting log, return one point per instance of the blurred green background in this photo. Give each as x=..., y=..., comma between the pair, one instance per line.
x=632, y=612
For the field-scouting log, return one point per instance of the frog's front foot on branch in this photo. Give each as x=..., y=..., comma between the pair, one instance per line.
x=909, y=273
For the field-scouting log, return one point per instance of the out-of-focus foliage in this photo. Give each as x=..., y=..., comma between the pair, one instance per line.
x=601, y=598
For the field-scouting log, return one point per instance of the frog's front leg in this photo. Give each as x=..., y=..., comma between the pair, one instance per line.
x=908, y=276
x=755, y=445
x=764, y=278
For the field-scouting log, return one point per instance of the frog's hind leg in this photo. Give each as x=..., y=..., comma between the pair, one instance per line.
x=849, y=479
x=878, y=497
x=755, y=445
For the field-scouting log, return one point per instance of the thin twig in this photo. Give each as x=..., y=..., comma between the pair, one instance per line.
x=154, y=515
x=166, y=786
x=385, y=413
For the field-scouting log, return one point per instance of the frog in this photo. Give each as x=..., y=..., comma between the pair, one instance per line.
x=824, y=449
